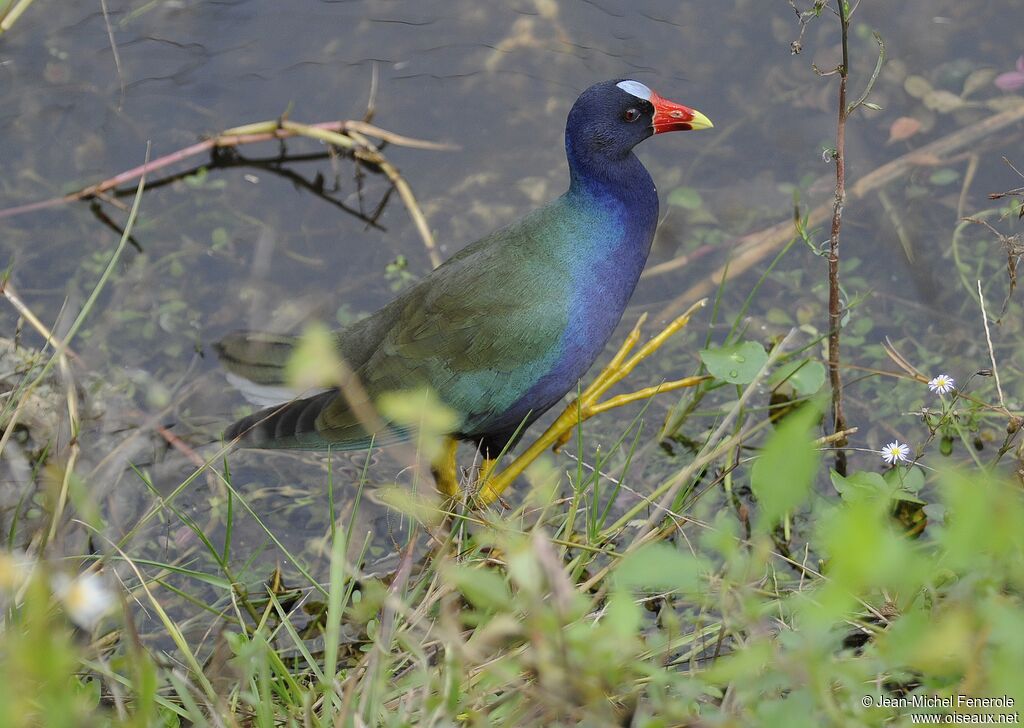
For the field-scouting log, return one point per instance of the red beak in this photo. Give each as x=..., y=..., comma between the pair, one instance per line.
x=670, y=116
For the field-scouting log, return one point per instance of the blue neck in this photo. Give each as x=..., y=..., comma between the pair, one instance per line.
x=605, y=225
x=618, y=205
x=624, y=179
x=620, y=196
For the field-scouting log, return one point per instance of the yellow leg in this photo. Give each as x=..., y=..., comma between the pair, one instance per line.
x=446, y=469
x=485, y=495
x=491, y=484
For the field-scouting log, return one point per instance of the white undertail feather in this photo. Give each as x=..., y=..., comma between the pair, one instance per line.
x=266, y=395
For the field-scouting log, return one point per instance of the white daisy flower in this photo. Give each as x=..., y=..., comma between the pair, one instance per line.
x=894, y=452
x=942, y=384
x=86, y=598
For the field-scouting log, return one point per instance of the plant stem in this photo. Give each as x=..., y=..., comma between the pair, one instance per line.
x=751, y=249
x=835, y=310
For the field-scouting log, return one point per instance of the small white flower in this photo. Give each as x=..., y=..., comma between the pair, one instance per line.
x=86, y=598
x=942, y=384
x=894, y=452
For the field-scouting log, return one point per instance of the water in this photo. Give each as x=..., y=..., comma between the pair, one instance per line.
x=244, y=247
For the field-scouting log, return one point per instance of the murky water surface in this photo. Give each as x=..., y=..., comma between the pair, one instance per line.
x=276, y=245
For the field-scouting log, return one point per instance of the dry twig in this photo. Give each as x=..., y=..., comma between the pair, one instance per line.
x=349, y=135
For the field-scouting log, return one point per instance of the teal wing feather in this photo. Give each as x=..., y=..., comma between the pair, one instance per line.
x=480, y=330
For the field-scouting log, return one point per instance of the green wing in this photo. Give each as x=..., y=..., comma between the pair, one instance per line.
x=480, y=330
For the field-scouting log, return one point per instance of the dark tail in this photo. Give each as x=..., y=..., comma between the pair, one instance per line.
x=292, y=425
x=256, y=356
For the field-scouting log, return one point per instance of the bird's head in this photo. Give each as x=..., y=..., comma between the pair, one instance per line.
x=612, y=117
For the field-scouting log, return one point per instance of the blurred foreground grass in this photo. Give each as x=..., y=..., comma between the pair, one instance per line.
x=544, y=616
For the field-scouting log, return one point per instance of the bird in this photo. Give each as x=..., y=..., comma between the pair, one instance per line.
x=503, y=329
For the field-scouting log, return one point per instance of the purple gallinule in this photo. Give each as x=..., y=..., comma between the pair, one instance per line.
x=507, y=326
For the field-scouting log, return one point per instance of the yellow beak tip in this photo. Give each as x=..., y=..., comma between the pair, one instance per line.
x=700, y=121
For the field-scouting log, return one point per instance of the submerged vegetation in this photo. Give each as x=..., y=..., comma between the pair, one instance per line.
x=693, y=554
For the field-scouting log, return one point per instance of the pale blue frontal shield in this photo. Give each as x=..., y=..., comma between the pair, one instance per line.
x=636, y=89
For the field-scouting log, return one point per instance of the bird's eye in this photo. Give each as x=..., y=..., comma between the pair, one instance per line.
x=632, y=114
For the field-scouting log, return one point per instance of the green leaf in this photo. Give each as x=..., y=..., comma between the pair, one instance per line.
x=219, y=238
x=862, y=545
x=658, y=567
x=943, y=102
x=420, y=407
x=978, y=80
x=783, y=474
x=909, y=479
x=898, y=484
x=742, y=666
x=315, y=361
x=197, y=180
x=917, y=86
x=523, y=567
x=944, y=176
x=736, y=364
x=859, y=484
x=1005, y=103
x=779, y=317
x=804, y=375
x=686, y=197
x=984, y=523
x=484, y=588
x=623, y=616
x=419, y=505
